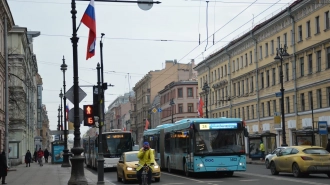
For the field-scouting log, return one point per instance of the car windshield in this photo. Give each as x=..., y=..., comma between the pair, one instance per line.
x=315, y=151
x=219, y=142
x=131, y=157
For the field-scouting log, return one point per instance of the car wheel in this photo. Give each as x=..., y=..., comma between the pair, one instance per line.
x=168, y=166
x=267, y=164
x=186, y=171
x=124, y=178
x=273, y=169
x=157, y=179
x=118, y=178
x=296, y=170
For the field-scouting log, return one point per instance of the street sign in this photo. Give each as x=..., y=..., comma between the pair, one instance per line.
x=70, y=95
x=278, y=94
x=71, y=115
x=323, y=127
x=154, y=110
x=59, y=132
x=159, y=109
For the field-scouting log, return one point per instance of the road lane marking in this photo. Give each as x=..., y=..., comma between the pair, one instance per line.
x=281, y=178
x=250, y=180
x=182, y=177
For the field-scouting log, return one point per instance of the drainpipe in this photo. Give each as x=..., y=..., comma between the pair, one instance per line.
x=294, y=61
x=229, y=82
x=257, y=74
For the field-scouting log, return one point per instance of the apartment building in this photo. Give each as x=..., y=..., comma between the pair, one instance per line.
x=148, y=87
x=245, y=77
x=184, y=97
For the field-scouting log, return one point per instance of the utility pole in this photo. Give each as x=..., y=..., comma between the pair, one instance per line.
x=100, y=159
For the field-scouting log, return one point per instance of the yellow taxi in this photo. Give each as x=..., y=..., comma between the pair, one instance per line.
x=301, y=160
x=127, y=164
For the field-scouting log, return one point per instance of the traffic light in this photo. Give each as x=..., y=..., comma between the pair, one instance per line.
x=96, y=101
x=88, y=115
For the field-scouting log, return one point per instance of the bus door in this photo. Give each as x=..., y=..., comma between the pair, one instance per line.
x=191, y=149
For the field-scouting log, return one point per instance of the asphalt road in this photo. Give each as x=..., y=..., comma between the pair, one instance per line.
x=255, y=175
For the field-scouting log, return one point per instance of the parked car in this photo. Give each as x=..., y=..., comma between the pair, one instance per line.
x=126, y=168
x=269, y=156
x=301, y=160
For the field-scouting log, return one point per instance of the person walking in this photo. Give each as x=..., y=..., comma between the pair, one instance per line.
x=35, y=155
x=40, y=155
x=328, y=146
x=262, y=150
x=46, y=154
x=28, y=158
x=3, y=167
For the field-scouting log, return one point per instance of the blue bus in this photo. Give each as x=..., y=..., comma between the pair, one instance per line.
x=114, y=143
x=199, y=145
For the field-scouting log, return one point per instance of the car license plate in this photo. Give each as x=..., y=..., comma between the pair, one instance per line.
x=221, y=169
x=323, y=168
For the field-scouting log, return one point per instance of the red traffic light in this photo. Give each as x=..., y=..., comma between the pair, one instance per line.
x=88, y=115
x=88, y=109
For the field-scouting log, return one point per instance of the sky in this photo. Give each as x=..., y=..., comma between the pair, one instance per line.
x=135, y=42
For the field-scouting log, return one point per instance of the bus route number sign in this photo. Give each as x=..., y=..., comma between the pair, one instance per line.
x=204, y=126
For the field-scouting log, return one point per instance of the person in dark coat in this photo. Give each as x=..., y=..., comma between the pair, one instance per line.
x=35, y=155
x=3, y=167
x=328, y=146
x=46, y=154
x=28, y=158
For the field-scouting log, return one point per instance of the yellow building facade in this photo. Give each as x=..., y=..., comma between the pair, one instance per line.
x=243, y=76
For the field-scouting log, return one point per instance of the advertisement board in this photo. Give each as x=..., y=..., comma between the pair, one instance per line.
x=57, y=152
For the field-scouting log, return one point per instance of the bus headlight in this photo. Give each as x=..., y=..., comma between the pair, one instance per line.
x=129, y=168
x=156, y=167
x=200, y=165
x=241, y=164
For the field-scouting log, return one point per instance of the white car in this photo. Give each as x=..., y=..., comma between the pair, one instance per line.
x=269, y=157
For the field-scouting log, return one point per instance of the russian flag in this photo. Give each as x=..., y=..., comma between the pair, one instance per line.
x=67, y=112
x=89, y=20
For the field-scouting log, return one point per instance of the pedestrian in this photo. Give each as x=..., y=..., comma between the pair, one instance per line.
x=28, y=158
x=40, y=156
x=35, y=155
x=262, y=150
x=46, y=154
x=328, y=146
x=3, y=167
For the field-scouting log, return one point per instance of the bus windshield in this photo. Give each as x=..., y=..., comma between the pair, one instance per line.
x=116, y=143
x=219, y=142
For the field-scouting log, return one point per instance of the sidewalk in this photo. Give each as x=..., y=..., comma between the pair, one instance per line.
x=49, y=174
x=258, y=162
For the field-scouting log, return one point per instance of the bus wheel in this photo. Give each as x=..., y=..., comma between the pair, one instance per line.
x=168, y=166
x=229, y=174
x=186, y=171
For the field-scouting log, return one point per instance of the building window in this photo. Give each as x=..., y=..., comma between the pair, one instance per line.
x=272, y=46
x=310, y=99
x=248, y=112
x=234, y=86
x=250, y=57
x=302, y=100
x=274, y=105
x=268, y=108
x=262, y=110
x=318, y=60
x=252, y=86
x=317, y=24
x=278, y=42
x=262, y=80
x=302, y=67
x=190, y=92
x=252, y=111
x=237, y=64
x=180, y=107
x=246, y=59
x=308, y=29
x=260, y=50
x=310, y=64
x=266, y=49
x=239, y=112
x=286, y=72
x=235, y=113
x=247, y=85
x=242, y=87
x=180, y=93
x=274, y=76
x=287, y=99
x=241, y=61
x=327, y=20
x=233, y=66
x=267, y=78
x=328, y=96
x=300, y=33
x=225, y=70
x=218, y=73
x=328, y=57
x=285, y=38
x=221, y=71
x=319, y=98
x=238, y=88
x=190, y=107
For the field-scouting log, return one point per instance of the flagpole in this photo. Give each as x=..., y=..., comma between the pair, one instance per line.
x=78, y=26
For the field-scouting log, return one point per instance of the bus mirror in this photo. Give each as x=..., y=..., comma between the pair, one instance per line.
x=246, y=133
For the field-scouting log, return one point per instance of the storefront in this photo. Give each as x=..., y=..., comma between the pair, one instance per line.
x=269, y=140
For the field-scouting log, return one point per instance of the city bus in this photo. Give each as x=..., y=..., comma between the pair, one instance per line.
x=198, y=145
x=114, y=143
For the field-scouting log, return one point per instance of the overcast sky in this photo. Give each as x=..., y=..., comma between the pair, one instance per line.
x=133, y=38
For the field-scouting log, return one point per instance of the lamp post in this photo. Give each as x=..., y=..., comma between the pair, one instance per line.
x=65, y=162
x=171, y=104
x=58, y=121
x=61, y=108
x=206, y=89
x=281, y=54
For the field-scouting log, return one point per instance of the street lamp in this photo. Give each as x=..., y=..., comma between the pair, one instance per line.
x=206, y=89
x=61, y=127
x=282, y=54
x=171, y=104
x=65, y=162
x=58, y=120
